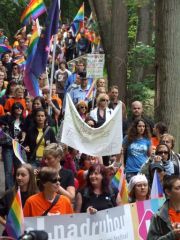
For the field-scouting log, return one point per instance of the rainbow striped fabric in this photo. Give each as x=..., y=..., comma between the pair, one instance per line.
x=78, y=20
x=4, y=48
x=34, y=9
x=119, y=182
x=17, y=150
x=15, y=219
x=30, y=81
x=89, y=94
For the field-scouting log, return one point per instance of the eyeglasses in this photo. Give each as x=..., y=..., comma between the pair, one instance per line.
x=104, y=100
x=162, y=152
x=55, y=180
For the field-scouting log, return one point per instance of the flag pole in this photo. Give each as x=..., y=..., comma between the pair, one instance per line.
x=53, y=63
x=7, y=135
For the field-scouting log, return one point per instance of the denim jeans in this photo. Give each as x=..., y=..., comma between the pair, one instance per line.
x=11, y=163
x=7, y=157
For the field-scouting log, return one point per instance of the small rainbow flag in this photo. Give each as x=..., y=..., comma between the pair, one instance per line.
x=89, y=94
x=15, y=219
x=119, y=182
x=17, y=150
x=21, y=62
x=4, y=48
x=156, y=190
x=78, y=20
x=34, y=9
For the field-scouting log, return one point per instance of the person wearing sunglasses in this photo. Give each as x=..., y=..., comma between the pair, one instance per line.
x=101, y=113
x=38, y=204
x=82, y=109
x=163, y=154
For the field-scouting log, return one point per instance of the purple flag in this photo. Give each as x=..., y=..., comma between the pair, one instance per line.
x=41, y=56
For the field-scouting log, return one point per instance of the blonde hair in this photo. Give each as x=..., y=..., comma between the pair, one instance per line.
x=101, y=96
x=53, y=149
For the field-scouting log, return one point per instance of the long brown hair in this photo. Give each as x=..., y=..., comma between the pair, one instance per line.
x=133, y=133
x=32, y=187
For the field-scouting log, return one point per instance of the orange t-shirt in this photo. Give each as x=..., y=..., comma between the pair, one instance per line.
x=174, y=216
x=81, y=178
x=154, y=142
x=11, y=101
x=59, y=101
x=1, y=110
x=36, y=205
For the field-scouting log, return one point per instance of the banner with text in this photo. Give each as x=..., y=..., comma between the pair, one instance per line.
x=102, y=141
x=127, y=222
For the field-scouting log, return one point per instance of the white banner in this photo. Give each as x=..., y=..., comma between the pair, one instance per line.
x=104, y=225
x=103, y=141
x=95, y=65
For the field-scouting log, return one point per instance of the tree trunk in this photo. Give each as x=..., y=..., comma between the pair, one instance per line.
x=119, y=47
x=114, y=35
x=168, y=70
x=144, y=35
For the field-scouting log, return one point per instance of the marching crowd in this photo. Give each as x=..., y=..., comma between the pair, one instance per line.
x=57, y=179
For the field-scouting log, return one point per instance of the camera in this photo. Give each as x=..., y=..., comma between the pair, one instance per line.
x=34, y=235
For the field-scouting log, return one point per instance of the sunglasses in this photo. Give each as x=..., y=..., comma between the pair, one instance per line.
x=162, y=152
x=18, y=108
x=104, y=100
x=82, y=107
x=55, y=180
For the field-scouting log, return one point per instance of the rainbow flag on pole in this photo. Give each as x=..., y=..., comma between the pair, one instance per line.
x=17, y=150
x=78, y=21
x=34, y=9
x=30, y=80
x=89, y=94
x=15, y=219
x=119, y=182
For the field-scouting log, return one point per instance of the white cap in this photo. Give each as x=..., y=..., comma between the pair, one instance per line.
x=136, y=179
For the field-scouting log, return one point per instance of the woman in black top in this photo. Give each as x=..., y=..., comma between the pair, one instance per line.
x=38, y=137
x=97, y=195
x=12, y=124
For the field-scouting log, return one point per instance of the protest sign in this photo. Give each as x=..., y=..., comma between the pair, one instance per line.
x=95, y=65
x=102, y=141
x=119, y=223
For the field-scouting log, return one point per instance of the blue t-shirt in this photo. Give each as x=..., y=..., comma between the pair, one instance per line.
x=136, y=153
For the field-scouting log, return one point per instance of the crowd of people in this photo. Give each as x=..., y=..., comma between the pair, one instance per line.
x=58, y=179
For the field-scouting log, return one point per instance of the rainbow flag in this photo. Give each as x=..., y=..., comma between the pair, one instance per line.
x=156, y=189
x=4, y=48
x=89, y=94
x=15, y=219
x=21, y=62
x=17, y=150
x=119, y=182
x=34, y=9
x=30, y=80
x=77, y=23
